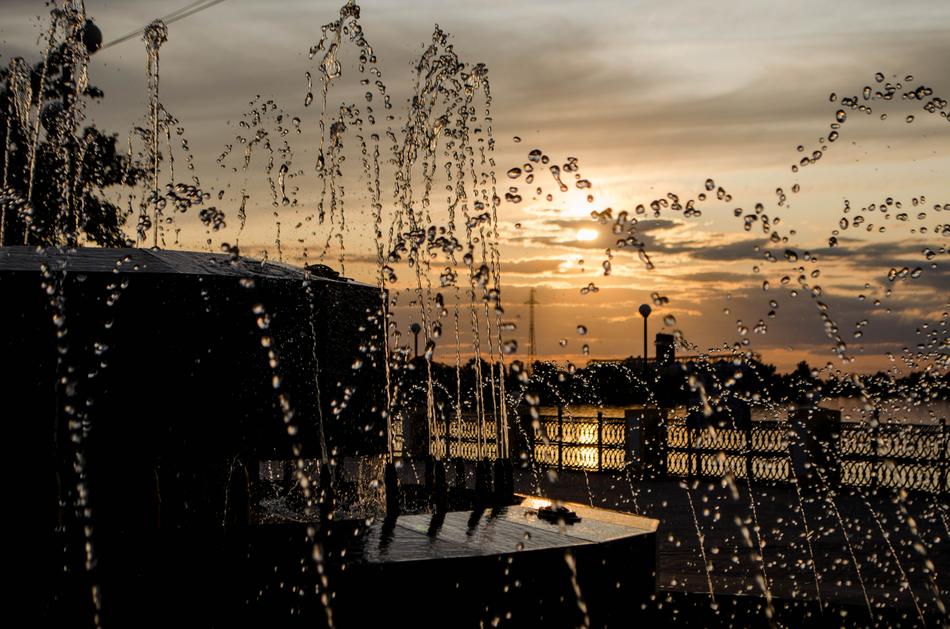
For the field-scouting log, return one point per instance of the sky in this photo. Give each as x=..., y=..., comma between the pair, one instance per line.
x=652, y=98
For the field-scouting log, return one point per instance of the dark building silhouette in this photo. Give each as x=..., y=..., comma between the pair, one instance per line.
x=666, y=356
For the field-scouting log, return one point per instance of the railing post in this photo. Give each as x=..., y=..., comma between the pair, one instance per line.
x=416, y=435
x=944, y=488
x=600, y=441
x=448, y=431
x=876, y=450
x=693, y=462
x=819, y=435
x=530, y=434
x=497, y=433
x=748, y=453
x=832, y=427
x=661, y=438
x=560, y=437
x=645, y=441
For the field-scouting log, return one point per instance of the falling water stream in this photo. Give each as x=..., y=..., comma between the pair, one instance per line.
x=155, y=35
x=702, y=546
x=905, y=582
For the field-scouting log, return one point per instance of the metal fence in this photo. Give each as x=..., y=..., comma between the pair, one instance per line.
x=398, y=436
x=760, y=451
x=468, y=438
x=895, y=456
x=594, y=443
x=910, y=457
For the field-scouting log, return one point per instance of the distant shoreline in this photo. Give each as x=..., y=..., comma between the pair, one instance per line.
x=893, y=412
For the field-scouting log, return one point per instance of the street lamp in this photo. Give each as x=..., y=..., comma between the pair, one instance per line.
x=415, y=328
x=645, y=311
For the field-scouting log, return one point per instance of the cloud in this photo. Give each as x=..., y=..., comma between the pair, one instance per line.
x=538, y=266
x=564, y=232
x=731, y=251
x=717, y=277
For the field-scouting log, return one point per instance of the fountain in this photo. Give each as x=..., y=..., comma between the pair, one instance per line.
x=216, y=419
x=248, y=441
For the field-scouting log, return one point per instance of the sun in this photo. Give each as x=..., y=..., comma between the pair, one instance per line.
x=586, y=234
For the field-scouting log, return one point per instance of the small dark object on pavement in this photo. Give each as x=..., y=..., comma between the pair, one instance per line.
x=558, y=514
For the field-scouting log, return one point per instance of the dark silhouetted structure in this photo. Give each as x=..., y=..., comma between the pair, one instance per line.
x=142, y=391
x=665, y=349
x=151, y=395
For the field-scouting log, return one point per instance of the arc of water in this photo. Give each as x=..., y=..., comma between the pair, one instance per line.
x=76, y=216
x=155, y=35
x=829, y=498
x=65, y=392
x=63, y=136
x=702, y=547
x=801, y=510
x=490, y=255
x=905, y=582
x=922, y=549
x=36, y=125
x=759, y=551
x=575, y=585
x=311, y=299
x=301, y=476
x=20, y=106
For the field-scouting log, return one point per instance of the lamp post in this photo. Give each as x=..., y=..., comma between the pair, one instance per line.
x=415, y=328
x=645, y=311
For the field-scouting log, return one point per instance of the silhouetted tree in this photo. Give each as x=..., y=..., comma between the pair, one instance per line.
x=70, y=172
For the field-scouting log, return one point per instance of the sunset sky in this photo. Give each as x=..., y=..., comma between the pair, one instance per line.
x=651, y=98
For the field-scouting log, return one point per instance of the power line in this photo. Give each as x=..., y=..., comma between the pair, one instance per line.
x=180, y=14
